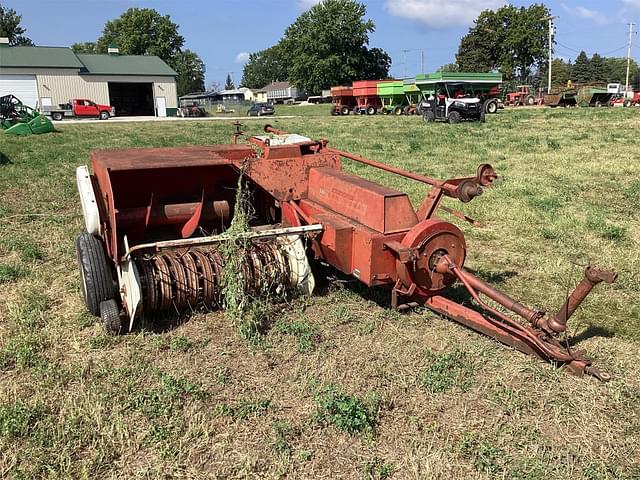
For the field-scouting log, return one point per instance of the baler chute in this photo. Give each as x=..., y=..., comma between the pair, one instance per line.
x=160, y=215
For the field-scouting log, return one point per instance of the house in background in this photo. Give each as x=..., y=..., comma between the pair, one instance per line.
x=132, y=84
x=280, y=92
x=249, y=95
x=200, y=99
x=231, y=96
x=260, y=96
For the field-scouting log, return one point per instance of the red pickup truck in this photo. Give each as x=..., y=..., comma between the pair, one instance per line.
x=79, y=107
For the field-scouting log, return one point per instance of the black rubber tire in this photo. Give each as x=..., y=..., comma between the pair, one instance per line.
x=529, y=100
x=627, y=102
x=397, y=111
x=491, y=106
x=597, y=104
x=110, y=315
x=355, y=110
x=104, y=115
x=345, y=111
x=96, y=276
x=429, y=116
x=454, y=117
x=57, y=116
x=406, y=110
x=371, y=111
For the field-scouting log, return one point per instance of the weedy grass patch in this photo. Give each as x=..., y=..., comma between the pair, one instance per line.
x=346, y=412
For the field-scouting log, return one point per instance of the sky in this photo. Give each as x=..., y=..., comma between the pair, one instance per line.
x=223, y=32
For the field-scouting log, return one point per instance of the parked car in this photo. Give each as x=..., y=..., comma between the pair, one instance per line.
x=259, y=109
x=79, y=107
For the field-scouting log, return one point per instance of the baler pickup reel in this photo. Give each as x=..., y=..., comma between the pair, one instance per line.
x=157, y=217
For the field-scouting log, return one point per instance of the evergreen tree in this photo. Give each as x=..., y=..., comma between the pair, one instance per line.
x=582, y=69
x=228, y=84
x=598, y=69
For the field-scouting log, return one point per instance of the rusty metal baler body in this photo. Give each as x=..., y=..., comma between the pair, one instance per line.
x=161, y=211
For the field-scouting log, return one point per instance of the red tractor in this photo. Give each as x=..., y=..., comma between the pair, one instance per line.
x=522, y=96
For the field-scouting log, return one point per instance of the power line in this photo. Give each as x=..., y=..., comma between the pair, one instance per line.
x=567, y=47
x=616, y=50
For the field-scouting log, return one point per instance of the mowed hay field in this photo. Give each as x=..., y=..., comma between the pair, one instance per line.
x=340, y=385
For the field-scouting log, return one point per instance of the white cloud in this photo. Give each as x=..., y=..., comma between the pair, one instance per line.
x=441, y=13
x=307, y=4
x=242, y=57
x=588, y=14
x=631, y=3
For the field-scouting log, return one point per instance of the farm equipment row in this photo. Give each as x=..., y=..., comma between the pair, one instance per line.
x=157, y=218
x=405, y=97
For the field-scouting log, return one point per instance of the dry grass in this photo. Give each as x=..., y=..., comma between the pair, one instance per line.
x=198, y=401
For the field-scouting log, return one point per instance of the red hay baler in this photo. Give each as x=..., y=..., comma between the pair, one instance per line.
x=156, y=217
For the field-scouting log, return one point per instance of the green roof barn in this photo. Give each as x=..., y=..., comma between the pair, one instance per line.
x=132, y=84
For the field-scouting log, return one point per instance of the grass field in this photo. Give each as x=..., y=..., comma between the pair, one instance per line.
x=340, y=386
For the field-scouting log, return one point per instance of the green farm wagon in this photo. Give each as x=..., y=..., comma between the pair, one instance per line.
x=392, y=97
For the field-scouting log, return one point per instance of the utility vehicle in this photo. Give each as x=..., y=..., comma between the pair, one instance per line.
x=448, y=106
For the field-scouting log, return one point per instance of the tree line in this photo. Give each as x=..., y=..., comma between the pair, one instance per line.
x=594, y=70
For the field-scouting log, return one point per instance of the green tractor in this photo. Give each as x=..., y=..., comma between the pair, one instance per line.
x=17, y=118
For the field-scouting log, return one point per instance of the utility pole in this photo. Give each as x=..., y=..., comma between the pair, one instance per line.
x=626, y=84
x=404, y=62
x=550, y=18
x=421, y=61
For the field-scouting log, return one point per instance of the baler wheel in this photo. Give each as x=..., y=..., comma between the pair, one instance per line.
x=96, y=276
x=149, y=286
x=371, y=111
x=110, y=315
x=345, y=111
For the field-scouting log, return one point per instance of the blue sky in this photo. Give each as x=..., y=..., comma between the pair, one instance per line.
x=222, y=32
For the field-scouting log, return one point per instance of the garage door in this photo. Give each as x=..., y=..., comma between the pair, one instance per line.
x=22, y=86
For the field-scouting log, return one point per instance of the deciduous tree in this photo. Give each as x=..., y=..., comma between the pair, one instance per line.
x=511, y=39
x=85, y=47
x=144, y=31
x=327, y=45
x=190, y=70
x=265, y=67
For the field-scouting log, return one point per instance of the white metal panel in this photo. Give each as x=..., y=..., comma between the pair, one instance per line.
x=161, y=106
x=22, y=86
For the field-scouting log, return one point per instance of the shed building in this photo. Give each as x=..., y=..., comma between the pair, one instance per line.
x=132, y=84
